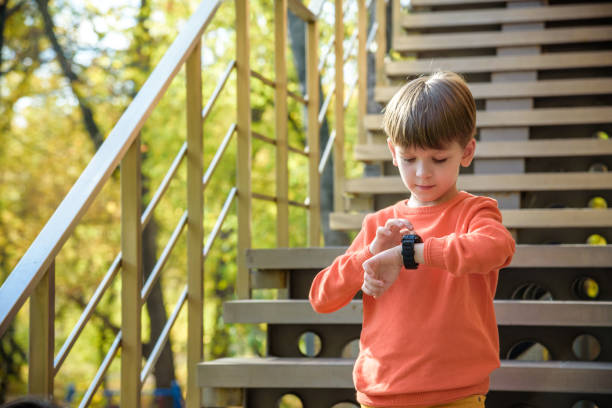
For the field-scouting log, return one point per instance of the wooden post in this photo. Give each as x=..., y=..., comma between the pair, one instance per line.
x=195, y=224
x=131, y=276
x=282, y=144
x=339, y=111
x=243, y=83
x=42, y=337
x=362, y=70
x=397, y=21
x=314, y=178
x=381, y=41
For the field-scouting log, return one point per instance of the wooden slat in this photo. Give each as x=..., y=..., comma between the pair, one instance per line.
x=488, y=39
x=535, y=117
x=507, y=312
x=195, y=219
x=512, y=149
x=281, y=128
x=505, y=16
x=560, y=60
x=296, y=373
x=493, y=182
x=488, y=90
x=523, y=218
x=428, y=3
x=526, y=256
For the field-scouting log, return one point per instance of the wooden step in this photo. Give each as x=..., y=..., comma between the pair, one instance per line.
x=533, y=117
x=488, y=90
x=492, y=39
x=508, y=313
x=526, y=256
x=429, y=3
x=296, y=373
x=505, y=16
x=523, y=218
x=513, y=149
x=477, y=183
x=557, y=60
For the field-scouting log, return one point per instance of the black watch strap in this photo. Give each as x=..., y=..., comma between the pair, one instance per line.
x=408, y=242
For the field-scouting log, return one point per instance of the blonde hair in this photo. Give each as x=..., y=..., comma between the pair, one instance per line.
x=431, y=112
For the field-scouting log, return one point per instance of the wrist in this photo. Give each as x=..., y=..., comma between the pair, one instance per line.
x=419, y=253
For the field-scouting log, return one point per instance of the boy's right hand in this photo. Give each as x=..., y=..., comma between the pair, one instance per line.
x=390, y=234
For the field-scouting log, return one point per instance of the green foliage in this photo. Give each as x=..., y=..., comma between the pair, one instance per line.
x=44, y=147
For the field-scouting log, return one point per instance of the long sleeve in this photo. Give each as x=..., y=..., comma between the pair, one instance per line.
x=335, y=286
x=486, y=244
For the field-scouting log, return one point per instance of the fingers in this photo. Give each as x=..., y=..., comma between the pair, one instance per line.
x=372, y=286
x=395, y=225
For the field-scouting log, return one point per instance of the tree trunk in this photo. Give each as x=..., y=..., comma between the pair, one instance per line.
x=88, y=119
x=164, y=368
x=297, y=37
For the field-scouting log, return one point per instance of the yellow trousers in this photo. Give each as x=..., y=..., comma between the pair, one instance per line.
x=473, y=401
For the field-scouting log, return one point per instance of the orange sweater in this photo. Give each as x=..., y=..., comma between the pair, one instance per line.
x=432, y=337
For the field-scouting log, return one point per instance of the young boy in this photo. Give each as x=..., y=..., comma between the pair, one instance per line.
x=428, y=265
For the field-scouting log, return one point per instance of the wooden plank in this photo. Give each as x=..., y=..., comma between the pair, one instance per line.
x=522, y=218
x=507, y=312
x=381, y=40
x=296, y=373
x=489, y=39
x=281, y=128
x=195, y=219
x=560, y=60
x=535, y=117
x=314, y=178
x=244, y=148
x=338, y=149
x=42, y=337
x=489, y=90
x=512, y=149
x=526, y=256
x=493, y=183
x=131, y=276
x=505, y=16
x=429, y=3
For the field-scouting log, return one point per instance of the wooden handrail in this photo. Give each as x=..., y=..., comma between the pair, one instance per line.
x=39, y=256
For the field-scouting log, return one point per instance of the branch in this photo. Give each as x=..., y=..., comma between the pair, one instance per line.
x=90, y=124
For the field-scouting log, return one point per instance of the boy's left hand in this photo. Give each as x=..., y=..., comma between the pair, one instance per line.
x=381, y=271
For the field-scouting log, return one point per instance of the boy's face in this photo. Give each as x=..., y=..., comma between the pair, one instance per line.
x=431, y=174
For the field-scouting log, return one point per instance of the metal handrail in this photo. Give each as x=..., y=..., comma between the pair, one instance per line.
x=163, y=338
x=269, y=140
x=87, y=313
x=108, y=359
x=32, y=266
x=218, y=155
x=148, y=213
x=161, y=262
x=272, y=84
x=218, y=89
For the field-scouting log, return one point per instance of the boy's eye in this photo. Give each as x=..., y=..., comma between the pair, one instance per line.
x=439, y=160
x=409, y=160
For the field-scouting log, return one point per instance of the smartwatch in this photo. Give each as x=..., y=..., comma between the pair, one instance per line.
x=408, y=242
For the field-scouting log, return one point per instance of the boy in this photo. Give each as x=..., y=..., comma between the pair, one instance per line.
x=429, y=335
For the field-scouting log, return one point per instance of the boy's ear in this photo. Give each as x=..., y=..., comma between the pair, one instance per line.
x=468, y=153
x=392, y=150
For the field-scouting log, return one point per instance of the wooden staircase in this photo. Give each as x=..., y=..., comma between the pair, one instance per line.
x=541, y=73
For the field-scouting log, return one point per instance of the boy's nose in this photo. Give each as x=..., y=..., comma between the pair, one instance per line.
x=422, y=170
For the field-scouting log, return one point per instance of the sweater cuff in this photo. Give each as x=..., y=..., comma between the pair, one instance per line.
x=433, y=252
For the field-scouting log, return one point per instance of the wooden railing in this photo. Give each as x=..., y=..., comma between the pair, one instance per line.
x=34, y=275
